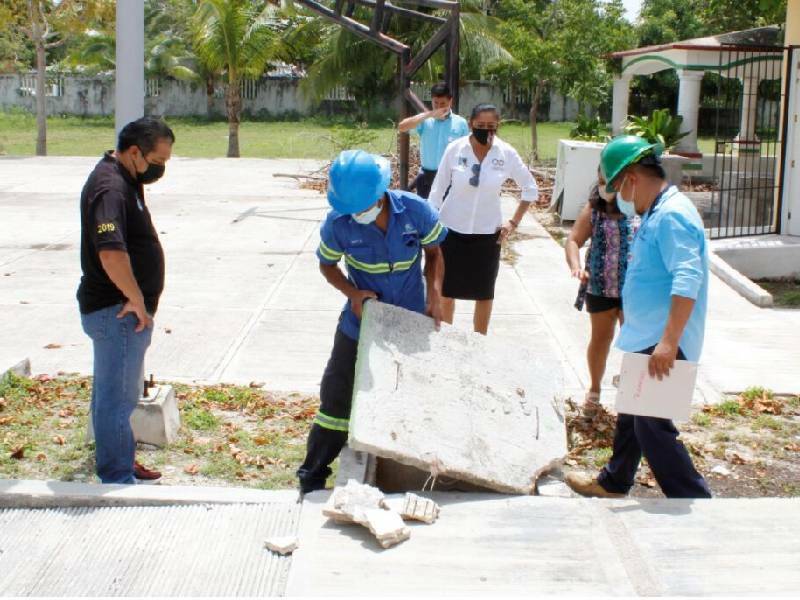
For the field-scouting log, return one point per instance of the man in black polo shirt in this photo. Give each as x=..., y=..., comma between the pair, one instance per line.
x=123, y=276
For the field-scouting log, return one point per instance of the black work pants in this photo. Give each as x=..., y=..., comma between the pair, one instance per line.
x=328, y=433
x=657, y=440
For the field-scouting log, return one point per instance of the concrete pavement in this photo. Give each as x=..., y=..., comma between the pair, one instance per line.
x=244, y=302
x=532, y=545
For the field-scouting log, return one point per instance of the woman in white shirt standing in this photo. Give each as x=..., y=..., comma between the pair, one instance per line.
x=466, y=191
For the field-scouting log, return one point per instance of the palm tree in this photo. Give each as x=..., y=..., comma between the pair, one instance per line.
x=234, y=37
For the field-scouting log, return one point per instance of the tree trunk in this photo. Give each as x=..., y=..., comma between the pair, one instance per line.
x=209, y=97
x=41, y=99
x=233, y=102
x=537, y=92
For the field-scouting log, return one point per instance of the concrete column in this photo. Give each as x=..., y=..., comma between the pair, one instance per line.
x=619, y=112
x=129, y=92
x=689, y=109
x=746, y=140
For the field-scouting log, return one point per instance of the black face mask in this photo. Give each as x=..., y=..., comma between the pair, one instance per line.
x=151, y=174
x=482, y=135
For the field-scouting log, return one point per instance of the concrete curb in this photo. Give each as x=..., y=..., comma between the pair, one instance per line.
x=22, y=368
x=26, y=493
x=751, y=291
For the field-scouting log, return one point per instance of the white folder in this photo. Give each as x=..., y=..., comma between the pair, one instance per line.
x=640, y=394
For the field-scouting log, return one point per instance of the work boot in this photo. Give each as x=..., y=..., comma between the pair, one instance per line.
x=586, y=485
x=143, y=473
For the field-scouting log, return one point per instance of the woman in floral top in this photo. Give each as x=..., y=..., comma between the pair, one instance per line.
x=611, y=234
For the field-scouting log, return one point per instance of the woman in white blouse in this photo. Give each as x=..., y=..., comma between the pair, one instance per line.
x=466, y=191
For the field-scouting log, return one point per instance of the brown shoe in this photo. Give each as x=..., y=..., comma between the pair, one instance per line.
x=586, y=485
x=142, y=472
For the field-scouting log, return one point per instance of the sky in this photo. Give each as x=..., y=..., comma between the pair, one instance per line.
x=632, y=7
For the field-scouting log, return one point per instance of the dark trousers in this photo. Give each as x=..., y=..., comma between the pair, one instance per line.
x=328, y=433
x=657, y=440
x=423, y=182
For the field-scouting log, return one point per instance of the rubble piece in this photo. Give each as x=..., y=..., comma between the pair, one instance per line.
x=417, y=508
x=283, y=545
x=455, y=403
x=387, y=526
x=348, y=504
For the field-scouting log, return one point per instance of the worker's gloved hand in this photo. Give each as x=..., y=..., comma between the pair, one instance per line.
x=357, y=300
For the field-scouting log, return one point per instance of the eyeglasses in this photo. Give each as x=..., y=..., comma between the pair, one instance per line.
x=476, y=175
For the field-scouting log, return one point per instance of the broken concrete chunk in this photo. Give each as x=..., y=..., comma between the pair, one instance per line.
x=417, y=508
x=387, y=526
x=283, y=545
x=347, y=504
x=366, y=505
x=454, y=402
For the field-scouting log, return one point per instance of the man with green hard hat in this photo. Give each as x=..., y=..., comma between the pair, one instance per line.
x=382, y=235
x=665, y=297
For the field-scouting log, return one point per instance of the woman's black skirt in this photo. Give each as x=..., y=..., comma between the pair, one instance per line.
x=471, y=264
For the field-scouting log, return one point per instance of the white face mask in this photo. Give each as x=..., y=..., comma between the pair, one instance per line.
x=369, y=215
x=626, y=207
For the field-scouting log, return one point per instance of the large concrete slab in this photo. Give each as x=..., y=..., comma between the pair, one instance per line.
x=531, y=545
x=456, y=403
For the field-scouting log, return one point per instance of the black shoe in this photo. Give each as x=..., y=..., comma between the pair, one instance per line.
x=308, y=486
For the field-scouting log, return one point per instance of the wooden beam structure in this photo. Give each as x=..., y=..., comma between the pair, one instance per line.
x=382, y=11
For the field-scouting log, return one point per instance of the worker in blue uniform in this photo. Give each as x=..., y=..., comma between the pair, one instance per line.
x=382, y=235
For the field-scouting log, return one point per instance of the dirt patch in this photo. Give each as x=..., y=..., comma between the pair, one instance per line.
x=745, y=447
x=230, y=435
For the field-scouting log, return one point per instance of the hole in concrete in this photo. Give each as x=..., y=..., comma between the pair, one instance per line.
x=392, y=477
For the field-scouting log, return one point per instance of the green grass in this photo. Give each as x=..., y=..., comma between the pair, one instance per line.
x=200, y=420
x=756, y=393
x=785, y=294
x=728, y=408
x=701, y=419
x=767, y=422
x=198, y=138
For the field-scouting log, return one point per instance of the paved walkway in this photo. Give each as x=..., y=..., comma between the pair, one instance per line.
x=244, y=300
x=86, y=540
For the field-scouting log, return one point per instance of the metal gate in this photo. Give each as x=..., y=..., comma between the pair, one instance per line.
x=748, y=142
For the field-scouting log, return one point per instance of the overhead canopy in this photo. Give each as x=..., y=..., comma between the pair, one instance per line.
x=719, y=53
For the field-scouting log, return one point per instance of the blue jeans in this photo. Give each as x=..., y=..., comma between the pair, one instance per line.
x=118, y=375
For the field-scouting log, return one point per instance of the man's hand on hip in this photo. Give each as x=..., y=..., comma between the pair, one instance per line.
x=137, y=308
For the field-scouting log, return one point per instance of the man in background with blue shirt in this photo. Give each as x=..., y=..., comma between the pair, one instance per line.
x=382, y=235
x=436, y=129
x=664, y=298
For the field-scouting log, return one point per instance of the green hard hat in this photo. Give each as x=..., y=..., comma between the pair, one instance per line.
x=623, y=151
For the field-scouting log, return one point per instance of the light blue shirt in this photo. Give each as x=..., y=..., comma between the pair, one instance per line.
x=435, y=135
x=669, y=258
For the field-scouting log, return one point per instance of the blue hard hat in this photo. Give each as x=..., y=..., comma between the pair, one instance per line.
x=356, y=181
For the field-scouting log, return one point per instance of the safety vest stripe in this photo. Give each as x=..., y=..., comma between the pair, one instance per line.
x=374, y=268
x=328, y=253
x=332, y=423
x=406, y=264
x=433, y=234
x=380, y=268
